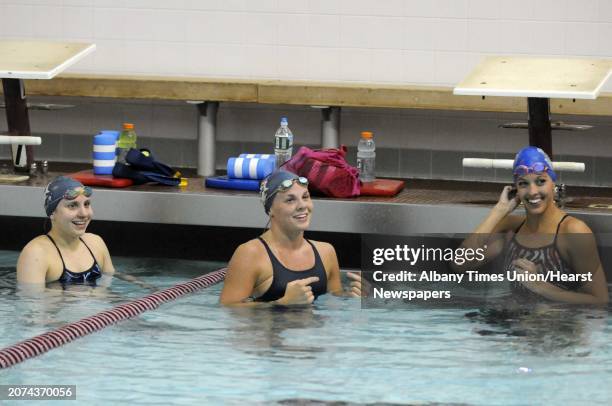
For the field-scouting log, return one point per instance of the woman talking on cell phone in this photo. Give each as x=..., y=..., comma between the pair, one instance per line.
x=545, y=241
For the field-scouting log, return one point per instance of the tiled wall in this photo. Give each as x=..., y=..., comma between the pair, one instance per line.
x=433, y=42
x=401, y=41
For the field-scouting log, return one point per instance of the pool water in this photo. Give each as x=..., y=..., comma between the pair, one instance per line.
x=192, y=351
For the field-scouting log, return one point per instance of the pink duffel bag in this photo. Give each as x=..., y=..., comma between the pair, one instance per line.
x=327, y=171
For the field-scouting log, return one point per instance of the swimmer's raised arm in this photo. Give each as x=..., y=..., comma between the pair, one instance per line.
x=32, y=264
x=489, y=233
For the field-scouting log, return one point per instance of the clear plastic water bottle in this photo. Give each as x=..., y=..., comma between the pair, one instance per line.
x=283, y=143
x=127, y=140
x=366, y=157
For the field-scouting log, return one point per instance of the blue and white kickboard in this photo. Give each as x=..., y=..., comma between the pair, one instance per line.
x=262, y=156
x=223, y=182
x=250, y=166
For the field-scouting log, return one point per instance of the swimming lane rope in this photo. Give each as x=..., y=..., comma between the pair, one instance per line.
x=42, y=343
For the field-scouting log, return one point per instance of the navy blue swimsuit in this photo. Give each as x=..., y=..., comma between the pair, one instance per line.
x=87, y=277
x=281, y=276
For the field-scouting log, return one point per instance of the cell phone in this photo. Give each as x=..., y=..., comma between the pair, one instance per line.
x=512, y=193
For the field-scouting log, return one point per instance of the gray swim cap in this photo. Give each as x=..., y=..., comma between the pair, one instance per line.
x=60, y=188
x=276, y=181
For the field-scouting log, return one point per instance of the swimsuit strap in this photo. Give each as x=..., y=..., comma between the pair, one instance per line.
x=558, y=227
x=556, y=232
x=270, y=253
x=88, y=249
x=520, y=225
x=316, y=253
x=275, y=260
x=58, y=251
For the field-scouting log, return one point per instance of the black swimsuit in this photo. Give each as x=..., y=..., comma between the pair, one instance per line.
x=281, y=276
x=547, y=257
x=87, y=277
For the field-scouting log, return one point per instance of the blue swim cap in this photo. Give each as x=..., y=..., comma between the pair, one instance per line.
x=56, y=190
x=532, y=160
x=270, y=186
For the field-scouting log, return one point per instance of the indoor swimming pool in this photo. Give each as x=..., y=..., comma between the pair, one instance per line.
x=192, y=351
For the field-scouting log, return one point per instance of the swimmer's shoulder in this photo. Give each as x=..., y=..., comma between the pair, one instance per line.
x=325, y=249
x=251, y=252
x=96, y=244
x=576, y=240
x=572, y=225
x=249, y=263
x=93, y=240
x=35, y=260
x=252, y=247
x=38, y=246
x=327, y=252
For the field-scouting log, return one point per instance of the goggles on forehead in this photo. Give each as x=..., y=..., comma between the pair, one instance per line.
x=72, y=194
x=287, y=183
x=538, y=167
x=284, y=186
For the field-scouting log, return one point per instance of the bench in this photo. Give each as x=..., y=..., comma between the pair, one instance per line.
x=330, y=97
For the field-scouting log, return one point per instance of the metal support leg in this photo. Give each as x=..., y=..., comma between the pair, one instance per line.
x=207, y=134
x=540, y=132
x=330, y=127
x=18, y=122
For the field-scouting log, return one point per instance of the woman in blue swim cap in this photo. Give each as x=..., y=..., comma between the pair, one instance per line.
x=543, y=241
x=67, y=253
x=281, y=266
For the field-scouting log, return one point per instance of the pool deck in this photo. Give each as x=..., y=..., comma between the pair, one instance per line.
x=424, y=206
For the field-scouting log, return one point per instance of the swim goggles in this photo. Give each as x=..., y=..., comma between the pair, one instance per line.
x=72, y=194
x=282, y=187
x=287, y=183
x=537, y=167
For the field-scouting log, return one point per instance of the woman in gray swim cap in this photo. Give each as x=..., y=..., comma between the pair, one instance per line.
x=544, y=242
x=281, y=266
x=67, y=253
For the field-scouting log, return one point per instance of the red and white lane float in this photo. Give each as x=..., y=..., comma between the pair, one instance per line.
x=42, y=343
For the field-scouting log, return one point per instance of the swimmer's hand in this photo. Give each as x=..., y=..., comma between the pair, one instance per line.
x=357, y=287
x=506, y=203
x=298, y=292
x=526, y=267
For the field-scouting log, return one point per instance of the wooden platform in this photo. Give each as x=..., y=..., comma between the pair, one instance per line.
x=297, y=93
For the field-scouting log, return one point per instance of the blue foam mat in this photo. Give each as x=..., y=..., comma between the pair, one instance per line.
x=223, y=182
